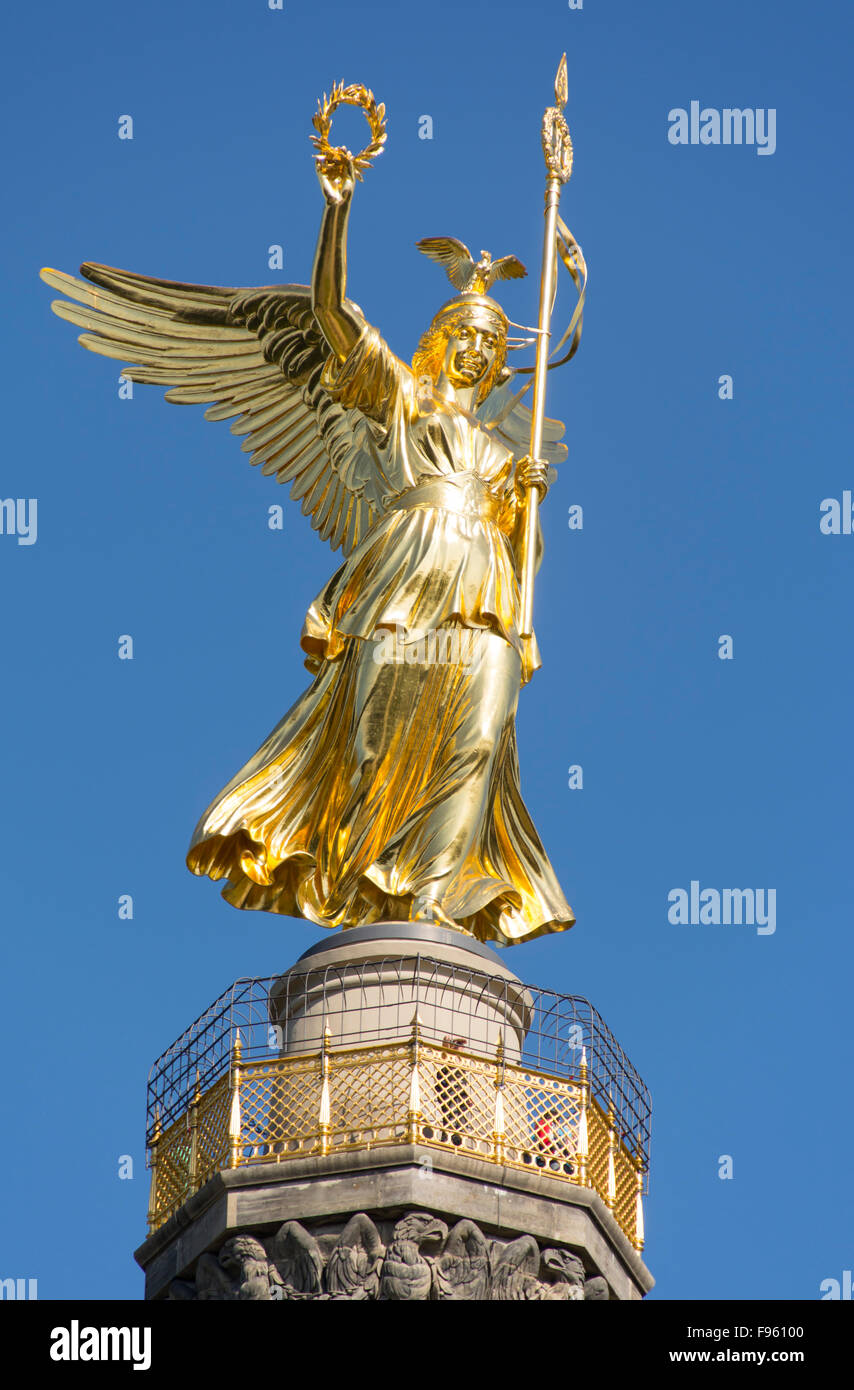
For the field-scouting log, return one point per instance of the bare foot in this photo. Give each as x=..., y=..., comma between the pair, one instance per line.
x=428, y=910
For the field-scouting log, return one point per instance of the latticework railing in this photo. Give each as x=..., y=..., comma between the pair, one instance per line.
x=407, y=1091
x=558, y=1029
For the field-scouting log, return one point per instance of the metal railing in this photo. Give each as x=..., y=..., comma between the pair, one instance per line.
x=570, y=1105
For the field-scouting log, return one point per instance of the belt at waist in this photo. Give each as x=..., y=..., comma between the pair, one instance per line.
x=468, y=497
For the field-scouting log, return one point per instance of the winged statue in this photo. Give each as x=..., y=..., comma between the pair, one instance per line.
x=390, y=790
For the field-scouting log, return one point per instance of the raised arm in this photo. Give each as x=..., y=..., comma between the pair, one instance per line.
x=340, y=325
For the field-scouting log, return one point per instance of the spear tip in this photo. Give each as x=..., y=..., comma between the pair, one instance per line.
x=561, y=88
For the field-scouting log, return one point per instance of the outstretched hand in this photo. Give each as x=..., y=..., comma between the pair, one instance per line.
x=337, y=175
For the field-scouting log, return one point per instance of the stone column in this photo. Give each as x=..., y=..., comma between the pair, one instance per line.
x=458, y=987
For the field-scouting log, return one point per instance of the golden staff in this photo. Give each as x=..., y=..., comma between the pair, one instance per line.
x=557, y=148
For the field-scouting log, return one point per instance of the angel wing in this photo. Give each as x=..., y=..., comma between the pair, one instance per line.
x=504, y=414
x=257, y=355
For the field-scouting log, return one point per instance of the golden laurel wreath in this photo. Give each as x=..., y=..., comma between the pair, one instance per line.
x=332, y=156
x=557, y=145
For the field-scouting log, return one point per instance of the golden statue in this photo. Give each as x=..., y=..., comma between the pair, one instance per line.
x=390, y=790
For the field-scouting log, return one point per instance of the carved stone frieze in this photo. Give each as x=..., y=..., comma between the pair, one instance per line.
x=416, y=1258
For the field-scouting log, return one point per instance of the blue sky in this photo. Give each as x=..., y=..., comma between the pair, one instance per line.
x=701, y=518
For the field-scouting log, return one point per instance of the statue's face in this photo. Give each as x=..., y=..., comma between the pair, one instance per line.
x=470, y=350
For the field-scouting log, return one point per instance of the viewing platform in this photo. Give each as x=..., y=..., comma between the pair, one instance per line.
x=407, y=1051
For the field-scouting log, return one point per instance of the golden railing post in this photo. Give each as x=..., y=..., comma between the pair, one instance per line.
x=611, y=1197
x=582, y=1146
x=414, y=1115
x=235, y=1122
x=152, y=1194
x=499, y=1125
x=638, y=1241
x=325, y=1116
x=193, y=1165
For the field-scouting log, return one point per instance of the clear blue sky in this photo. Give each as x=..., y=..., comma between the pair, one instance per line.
x=701, y=518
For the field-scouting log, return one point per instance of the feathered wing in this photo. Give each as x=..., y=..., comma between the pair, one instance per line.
x=454, y=255
x=353, y=1270
x=504, y=415
x=255, y=356
x=507, y=268
x=296, y=1255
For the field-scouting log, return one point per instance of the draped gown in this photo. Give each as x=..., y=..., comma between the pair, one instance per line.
x=395, y=775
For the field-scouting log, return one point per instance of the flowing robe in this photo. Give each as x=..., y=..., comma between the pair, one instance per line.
x=395, y=775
